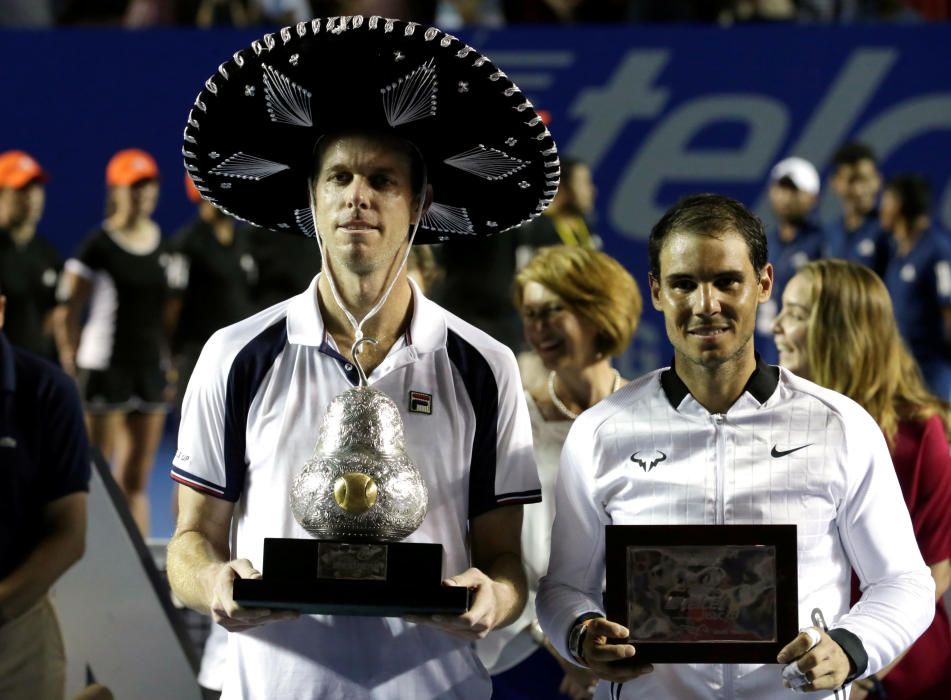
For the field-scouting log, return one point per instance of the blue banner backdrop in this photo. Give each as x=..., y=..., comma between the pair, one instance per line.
x=657, y=112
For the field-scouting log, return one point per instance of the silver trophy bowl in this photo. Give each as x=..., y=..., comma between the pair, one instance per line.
x=360, y=484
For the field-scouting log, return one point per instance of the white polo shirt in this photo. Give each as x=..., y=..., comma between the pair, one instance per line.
x=787, y=452
x=250, y=421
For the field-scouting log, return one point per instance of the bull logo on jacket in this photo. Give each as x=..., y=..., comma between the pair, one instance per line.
x=647, y=465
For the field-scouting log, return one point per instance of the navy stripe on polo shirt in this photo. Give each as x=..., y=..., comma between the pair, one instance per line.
x=247, y=372
x=483, y=391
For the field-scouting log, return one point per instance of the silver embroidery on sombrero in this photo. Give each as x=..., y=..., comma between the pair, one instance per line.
x=412, y=97
x=487, y=163
x=287, y=102
x=446, y=218
x=246, y=167
x=305, y=222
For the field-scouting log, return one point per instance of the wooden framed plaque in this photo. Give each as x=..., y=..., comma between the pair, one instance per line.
x=703, y=593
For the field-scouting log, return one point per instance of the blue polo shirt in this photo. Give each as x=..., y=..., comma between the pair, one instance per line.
x=787, y=257
x=44, y=453
x=869, y=244
x=920, y=286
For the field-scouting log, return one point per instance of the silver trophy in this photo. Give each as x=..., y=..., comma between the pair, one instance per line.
x=359, y=495
x=360, y=484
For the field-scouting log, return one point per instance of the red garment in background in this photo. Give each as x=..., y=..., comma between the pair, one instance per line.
x=932, y=9
x=923, y=465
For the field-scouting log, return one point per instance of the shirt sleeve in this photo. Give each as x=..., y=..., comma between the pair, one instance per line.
x=931, y=508
x=572, y=586
x=88, y=257
x=66, y=458
x=941, y=268
x=516, y=478
x=200, y=458
x=897, y=602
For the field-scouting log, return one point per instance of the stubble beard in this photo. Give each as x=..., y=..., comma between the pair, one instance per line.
x=711, y=364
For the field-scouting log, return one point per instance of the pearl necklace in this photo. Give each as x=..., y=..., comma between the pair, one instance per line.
x=564, y=410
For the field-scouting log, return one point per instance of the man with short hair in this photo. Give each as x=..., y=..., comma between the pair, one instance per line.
x=44, y=477
x=743, y=443
x=918, y=277
x=857, y=235
x=795, y=240
x=29, y=265
x=421, y=107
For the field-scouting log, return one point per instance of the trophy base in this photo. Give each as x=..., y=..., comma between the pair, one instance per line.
x=332, y=577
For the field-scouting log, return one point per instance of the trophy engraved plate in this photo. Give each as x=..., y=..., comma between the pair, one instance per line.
x=703, y=594
x=358, y=562
x=358, y=496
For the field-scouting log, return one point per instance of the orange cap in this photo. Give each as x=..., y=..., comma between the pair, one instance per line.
x=18, y=169
x=194, y=196
x=131, y=166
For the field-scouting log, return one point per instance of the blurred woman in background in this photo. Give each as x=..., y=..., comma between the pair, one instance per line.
x=117, y=282
x=579, y=309
x=837, y=328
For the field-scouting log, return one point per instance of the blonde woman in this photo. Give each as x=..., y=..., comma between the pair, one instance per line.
x=837, y=328
x=579, y=309
x=117, y=281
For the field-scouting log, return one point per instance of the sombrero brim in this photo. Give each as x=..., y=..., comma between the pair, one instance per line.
x=250, y=137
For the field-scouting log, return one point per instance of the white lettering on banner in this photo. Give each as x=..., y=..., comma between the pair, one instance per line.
x=830, y=123
x=665, y=155
x=605, y=111
x=531, y=70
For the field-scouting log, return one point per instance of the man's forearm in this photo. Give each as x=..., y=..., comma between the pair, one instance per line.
x=508, y=573
x=192, y=562
x=30, y=581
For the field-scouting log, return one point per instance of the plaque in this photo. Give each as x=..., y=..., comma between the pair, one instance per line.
x=358, y=496
x=703, y=593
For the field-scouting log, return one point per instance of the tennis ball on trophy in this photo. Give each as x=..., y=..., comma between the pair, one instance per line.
x=355, y=493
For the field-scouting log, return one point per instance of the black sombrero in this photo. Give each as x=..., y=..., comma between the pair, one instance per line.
x=250, y=137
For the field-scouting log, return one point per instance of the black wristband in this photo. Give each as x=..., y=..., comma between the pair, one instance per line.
x=576, y=636
x=854, y=650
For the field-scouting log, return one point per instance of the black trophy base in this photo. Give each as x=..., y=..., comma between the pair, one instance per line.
x=332, y=577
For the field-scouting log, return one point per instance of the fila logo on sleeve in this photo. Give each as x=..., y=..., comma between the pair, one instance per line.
x=420, y=403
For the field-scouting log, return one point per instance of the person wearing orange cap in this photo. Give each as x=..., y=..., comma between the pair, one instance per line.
x=121, y=275
x=214, y=270
x=30, y=265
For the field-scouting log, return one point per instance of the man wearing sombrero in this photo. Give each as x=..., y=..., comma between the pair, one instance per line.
x=369, y=134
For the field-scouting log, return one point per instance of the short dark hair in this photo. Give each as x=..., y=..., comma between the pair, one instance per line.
x=417, y=166
x=709, y=215
x=852, y=153
x=914, y=191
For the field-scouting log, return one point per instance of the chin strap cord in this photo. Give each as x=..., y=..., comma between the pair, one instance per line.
x=357, y=326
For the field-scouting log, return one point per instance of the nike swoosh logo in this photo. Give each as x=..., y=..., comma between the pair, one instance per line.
x=783, y=453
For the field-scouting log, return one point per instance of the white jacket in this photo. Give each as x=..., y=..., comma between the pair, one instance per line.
x=788, y=451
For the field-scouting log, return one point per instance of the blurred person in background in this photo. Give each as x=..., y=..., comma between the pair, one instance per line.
x=837, y=328
x=480, y=273
x=29, y=264
x=857, y=235
x=567, y=219
x=44, y=481
x=214, y=271
x=564, y=11
x=918, y=278
x=286, y=263
x=794, y=240
x=117, y=281
x=579, y=308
